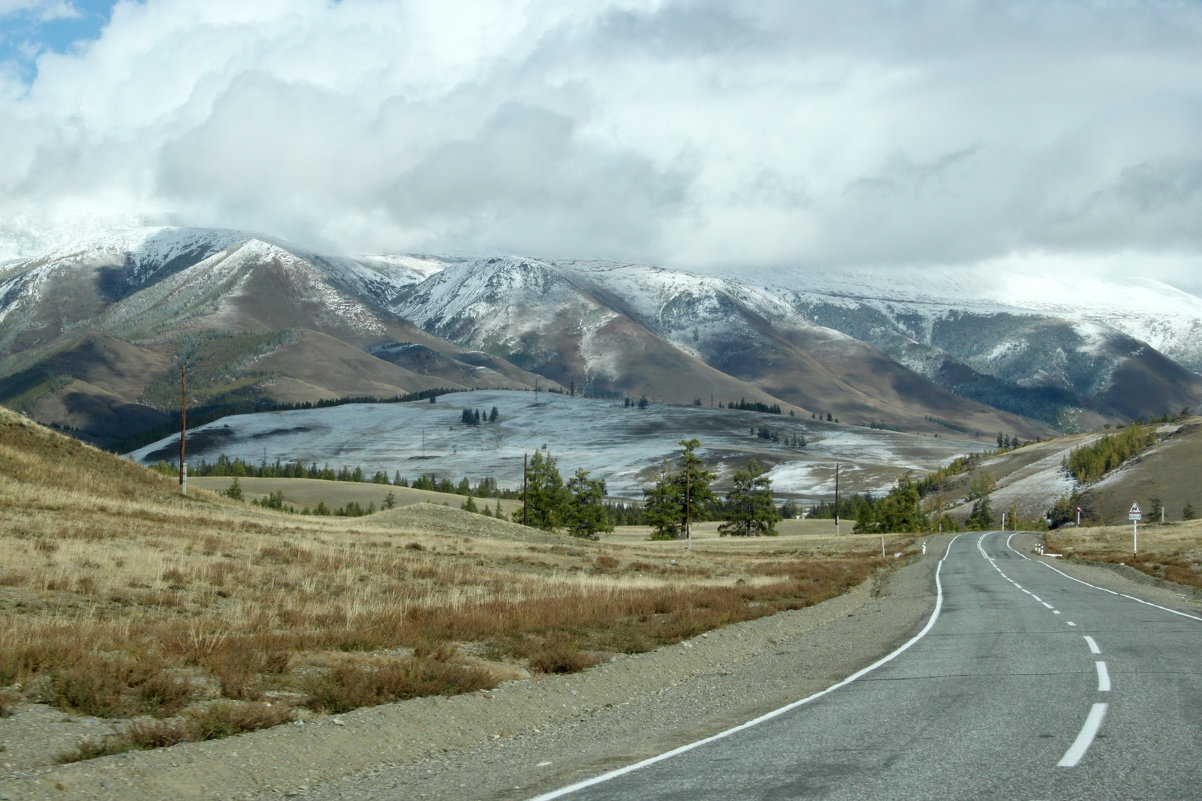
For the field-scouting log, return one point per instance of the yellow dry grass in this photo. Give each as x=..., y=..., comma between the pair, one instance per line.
x=1172, y=552
x=105, y=570
x=308, y=492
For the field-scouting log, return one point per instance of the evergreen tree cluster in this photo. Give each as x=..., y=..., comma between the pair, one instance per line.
x=225, y=466
x=749, y=507
x=577, y=507
x=753, y=406
x=680, y=496
x=1090, y=462
x=474, y=417
x=931, y=482
x=898, y=511
x=772, y=435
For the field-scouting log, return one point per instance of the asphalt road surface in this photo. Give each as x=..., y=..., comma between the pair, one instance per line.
x=1025, y=684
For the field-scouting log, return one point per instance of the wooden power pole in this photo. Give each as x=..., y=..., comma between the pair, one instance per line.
x=183, y=428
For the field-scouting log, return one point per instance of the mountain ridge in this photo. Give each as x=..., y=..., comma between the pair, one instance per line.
x=257, y=317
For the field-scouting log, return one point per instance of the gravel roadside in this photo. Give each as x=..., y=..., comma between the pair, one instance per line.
x=527, y=737
x=523, y=736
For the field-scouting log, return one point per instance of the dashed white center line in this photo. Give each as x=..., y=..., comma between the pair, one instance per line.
x=1071, y=623
x=1085, y=737
x=1103, y=677
x=1093, y=646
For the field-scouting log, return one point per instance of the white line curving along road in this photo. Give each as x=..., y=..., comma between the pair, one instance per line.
x=1025, y=683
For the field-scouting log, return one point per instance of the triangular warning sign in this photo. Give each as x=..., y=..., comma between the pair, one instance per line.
x=1135, y=508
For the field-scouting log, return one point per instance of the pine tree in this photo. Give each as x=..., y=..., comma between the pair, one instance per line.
x=546, y=496
x=585, y=513
x=1188, y=512
x=234, y=491
x=749, y=507
x=981, y=516
x=661, y=508
x=389, y=501
x=680, y=496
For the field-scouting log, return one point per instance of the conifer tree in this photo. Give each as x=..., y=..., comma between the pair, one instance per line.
x=661, y=508
x=680, y=496
x=749, y=507
x=546, y=496
x=981, y=516
x=585, y=513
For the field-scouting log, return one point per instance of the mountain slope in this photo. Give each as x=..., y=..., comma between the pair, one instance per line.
x=1065, y=366
x=254, y=319
x=611, y=326
x=91, y=336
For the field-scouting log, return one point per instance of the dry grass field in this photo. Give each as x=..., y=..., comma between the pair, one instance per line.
x=308, y=492
x=191, y=617
x=1171, y=552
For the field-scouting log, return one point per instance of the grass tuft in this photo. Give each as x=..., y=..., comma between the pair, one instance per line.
x=215, y=721
x=348, y=687
x=8, y=702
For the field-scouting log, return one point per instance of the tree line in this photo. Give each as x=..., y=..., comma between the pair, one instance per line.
x=1090, y=462
x=680, y=496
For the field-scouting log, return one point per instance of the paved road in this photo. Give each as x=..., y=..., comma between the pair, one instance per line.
x=1027, y=684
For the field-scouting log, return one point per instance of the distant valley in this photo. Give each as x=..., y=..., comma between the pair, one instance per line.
x=623, y=445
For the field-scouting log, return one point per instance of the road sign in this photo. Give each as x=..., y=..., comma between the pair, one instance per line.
x=1135, y=513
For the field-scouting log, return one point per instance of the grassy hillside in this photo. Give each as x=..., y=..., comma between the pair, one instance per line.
x=308, y=492
x=1030, y=479
x=120, y=598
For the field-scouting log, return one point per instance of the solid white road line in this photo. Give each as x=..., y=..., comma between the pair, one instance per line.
x=1121, y=595
x=1103, y=678
x=1084, y=738
x=613, y=774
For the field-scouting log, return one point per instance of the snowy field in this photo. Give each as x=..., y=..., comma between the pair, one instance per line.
x=623, y=446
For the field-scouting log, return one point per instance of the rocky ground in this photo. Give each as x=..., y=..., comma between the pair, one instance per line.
x=525, y=737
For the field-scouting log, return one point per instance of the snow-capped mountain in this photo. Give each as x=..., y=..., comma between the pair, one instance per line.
x=92, y=333
x=676, y=336
x=1068, y=353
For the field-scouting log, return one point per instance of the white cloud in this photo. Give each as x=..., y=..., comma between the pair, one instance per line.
x=698, y=133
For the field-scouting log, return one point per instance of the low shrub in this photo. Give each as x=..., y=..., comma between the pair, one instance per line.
x=213, y=722
x=348, y=687
x=116, y=688
x=562, y=659
x=8, y=702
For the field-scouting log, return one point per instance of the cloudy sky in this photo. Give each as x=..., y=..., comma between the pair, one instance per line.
x=690, y=133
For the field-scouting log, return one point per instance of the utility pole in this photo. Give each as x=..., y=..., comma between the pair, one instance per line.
x=836, y=499
x=183, y=428
x=525, y=477
x=688, y=490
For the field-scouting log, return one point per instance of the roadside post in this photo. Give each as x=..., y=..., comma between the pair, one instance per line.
x=1135, y=516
